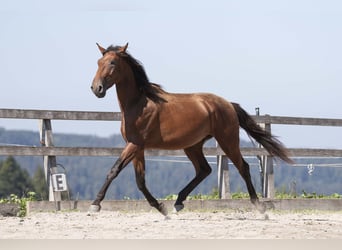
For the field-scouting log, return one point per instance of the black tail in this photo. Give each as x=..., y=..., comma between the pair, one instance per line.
x=265, y=138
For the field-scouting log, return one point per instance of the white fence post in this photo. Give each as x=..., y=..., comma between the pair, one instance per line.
x=223, y=177
x=268, y=185
x=50, y=164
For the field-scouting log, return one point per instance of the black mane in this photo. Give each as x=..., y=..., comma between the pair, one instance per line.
x=151, y=90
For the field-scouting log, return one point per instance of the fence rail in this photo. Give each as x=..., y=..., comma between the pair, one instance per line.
x=308, y=121
x=59, y=115
x=49, y=151
x=116, y=116
x=106, y=151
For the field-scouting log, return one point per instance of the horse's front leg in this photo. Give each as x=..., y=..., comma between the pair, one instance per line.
x=139, y=167
x=126, y=156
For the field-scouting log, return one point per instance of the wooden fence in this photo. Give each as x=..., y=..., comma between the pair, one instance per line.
x=49, y=151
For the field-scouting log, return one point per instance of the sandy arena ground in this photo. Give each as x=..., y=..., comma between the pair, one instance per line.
x=185, y=225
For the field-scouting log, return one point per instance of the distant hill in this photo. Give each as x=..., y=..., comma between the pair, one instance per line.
x=163, y=177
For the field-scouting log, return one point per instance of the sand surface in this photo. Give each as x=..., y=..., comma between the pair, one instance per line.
x=184, y=225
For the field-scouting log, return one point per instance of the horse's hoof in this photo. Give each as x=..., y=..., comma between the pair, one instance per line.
x=162, y=209
x=261, y=207
x=178, y=208
x=94, y=208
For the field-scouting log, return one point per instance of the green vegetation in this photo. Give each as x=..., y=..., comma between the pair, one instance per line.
x=16, y=181
x=13, y=179
x=14, y=199
x=320, y=196
x=214, y=195
x=242, y=195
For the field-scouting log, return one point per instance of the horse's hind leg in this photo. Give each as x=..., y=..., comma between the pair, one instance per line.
x=139, y=167
x=202, y=168
x=233, y=152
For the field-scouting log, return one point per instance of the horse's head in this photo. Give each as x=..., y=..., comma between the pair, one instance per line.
x=108, y=69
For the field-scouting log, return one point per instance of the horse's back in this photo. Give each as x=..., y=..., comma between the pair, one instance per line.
x=203, y=104
x=186, y=119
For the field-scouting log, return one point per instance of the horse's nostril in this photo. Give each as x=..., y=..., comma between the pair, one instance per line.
x=100, y=89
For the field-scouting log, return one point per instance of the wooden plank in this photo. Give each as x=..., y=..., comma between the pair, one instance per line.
x=116, y=116
x=284, y=120
x=58, y=151
x=59, y=115
x=101, y=151
x=315, y=152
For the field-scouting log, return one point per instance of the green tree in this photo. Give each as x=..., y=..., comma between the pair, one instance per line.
x=13, y=180
x=39, y=184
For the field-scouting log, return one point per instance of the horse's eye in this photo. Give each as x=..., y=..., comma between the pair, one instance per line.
x=113, y=62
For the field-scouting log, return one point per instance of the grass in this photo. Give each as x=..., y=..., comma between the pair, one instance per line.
x=320, y=196
x=214, y=195
x=14, y=199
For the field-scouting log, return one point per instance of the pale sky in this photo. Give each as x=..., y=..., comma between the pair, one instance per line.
x=282, y=56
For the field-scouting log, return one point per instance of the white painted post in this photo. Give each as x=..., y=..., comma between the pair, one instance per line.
x=50, y=164
x=223, y=176
x=268, y=172
x=261, y=158
x=267, y=178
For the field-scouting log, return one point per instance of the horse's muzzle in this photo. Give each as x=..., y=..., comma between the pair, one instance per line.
x=99, y=90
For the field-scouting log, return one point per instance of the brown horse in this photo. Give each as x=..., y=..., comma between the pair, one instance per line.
x=155, y=119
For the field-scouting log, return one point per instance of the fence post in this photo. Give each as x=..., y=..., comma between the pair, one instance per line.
x=261, y=158
x=50, y=164
x=268, y=185
x=223, y=177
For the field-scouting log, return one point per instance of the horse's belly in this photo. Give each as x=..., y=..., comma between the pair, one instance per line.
x=180, y=135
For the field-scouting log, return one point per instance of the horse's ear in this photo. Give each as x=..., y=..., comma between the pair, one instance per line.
x=102, y=50
x=123, y=49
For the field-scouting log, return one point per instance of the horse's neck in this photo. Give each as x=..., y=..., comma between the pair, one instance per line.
x=127, y=92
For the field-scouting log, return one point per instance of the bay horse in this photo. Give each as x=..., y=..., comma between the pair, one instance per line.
x=155, y=119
